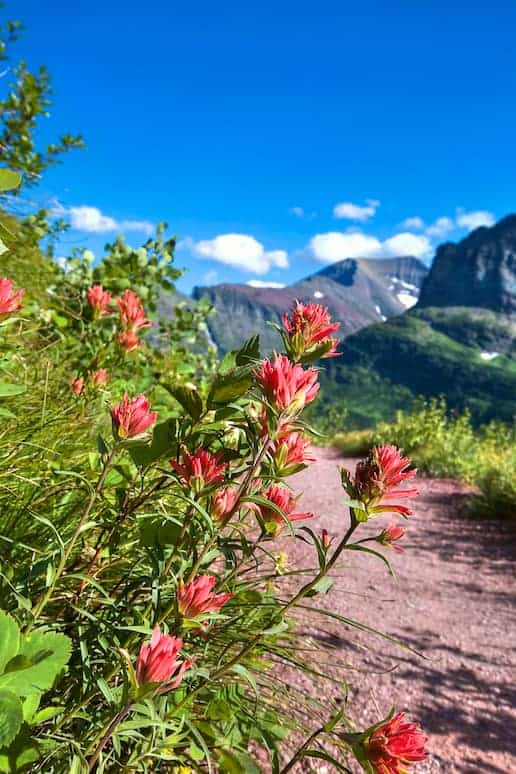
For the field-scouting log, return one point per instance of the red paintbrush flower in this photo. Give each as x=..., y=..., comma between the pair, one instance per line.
x=157, y=662
x=197, y=597
x=283, y=499
x=390, y=536
x=376, y=480
x=200, y=469
x=10, y=300
x=132, y=313
x=396, y=745
x=131, y=417
x=99, y=300
x=288, y=386
x=309, y=328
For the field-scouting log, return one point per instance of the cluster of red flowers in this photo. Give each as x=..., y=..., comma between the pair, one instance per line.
x=287, y=387
x=131, y=311
x=396, y=744
x=10, y=300
x=132, y=319
x=97, y=378
x=158, y=660
x=307, y=332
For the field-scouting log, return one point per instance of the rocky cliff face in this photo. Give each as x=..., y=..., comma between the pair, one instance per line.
x=357, y=293
x=479, y=271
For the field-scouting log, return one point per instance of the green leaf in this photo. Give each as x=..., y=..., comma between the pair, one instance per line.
x=163, y=442
x=378, y=554
x=228, y=387
x=249, y=352
x=22, y=751
x=102, y=445
x=189, y=399
x=7, y=236
x=11, y=717
x=6, y=390
x=47, y=713
x=41, y=658
x=30, y=706
x=324, y=756
x=9, y=180
x=9, y=639
x=321, y=587
x=237, y=762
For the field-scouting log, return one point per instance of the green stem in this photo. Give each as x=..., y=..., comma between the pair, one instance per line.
x=68, y=551
x=110, y=730
x=300, y=752
x=328, y=566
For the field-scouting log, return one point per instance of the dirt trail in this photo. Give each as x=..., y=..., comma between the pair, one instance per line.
x=454, y=600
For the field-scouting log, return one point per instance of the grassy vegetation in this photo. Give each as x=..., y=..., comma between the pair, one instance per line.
x=385, y=367
x=24, y=262
x=448, y=445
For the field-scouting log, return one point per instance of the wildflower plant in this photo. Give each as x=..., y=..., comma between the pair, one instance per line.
x=145, y=608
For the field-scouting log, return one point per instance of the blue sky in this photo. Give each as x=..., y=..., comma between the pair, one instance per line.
x=276, y=137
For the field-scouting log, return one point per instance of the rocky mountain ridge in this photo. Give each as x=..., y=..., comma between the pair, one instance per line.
x=479, y=271
x=358, y=292
x=458, y=340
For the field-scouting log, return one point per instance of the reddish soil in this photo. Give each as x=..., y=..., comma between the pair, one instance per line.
x=453, y=601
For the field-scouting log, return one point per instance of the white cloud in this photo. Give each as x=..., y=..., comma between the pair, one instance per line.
x=406, y=244
x=242, y=251
x=335, y=246
x=145, y=226
x=472, y=220
x=415, y=222
x=441, y=227
x=90, y=219
x=264, y=284
x=297, y=211
x=359, y=212
x=210, y=277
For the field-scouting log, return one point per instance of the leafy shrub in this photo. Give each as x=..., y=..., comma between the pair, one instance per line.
x=144, y=602
x=448, y=446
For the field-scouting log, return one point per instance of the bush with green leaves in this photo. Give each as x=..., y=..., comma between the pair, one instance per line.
x=146, y=609
x=447, y=445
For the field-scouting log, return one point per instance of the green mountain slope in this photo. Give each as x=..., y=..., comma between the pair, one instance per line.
x=385, y=367
x=458, y=341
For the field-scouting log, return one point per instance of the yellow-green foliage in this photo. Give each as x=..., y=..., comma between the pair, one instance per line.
x=356, y=443
x=25, y=264
x=449, y=446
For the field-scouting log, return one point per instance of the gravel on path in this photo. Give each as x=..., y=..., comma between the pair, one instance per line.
x=453, y=600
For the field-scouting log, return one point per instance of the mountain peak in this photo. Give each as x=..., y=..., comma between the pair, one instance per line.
x=479, y=271
x=357, y=292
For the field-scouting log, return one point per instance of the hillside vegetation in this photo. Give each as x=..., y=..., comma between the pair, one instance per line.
x=445, y=445
x=393, y=363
